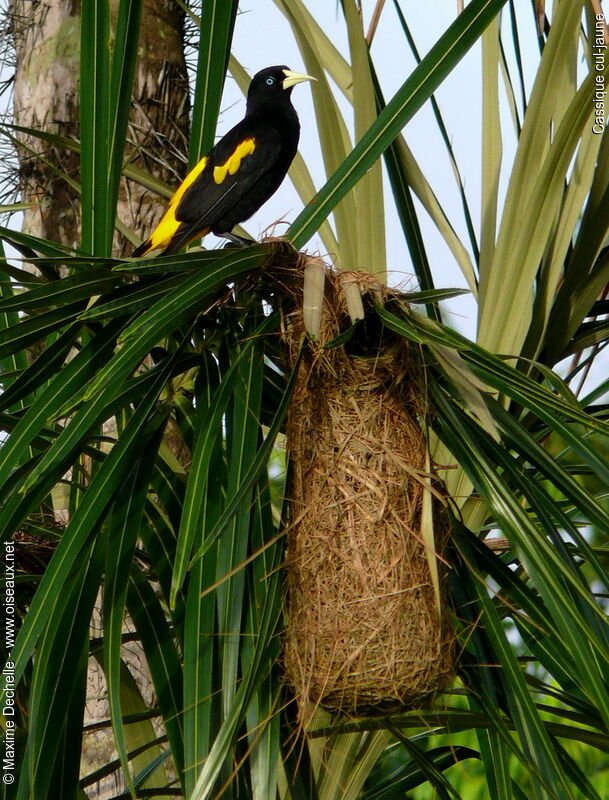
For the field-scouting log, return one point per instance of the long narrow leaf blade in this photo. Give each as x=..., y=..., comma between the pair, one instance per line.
x=423, y=81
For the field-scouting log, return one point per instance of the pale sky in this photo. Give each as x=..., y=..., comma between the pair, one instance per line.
x=460, y=103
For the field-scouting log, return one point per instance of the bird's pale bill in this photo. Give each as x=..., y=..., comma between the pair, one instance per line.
x=292, y=78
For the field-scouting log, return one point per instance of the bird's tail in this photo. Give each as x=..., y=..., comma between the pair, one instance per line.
x=142, y=249
x=184, y=236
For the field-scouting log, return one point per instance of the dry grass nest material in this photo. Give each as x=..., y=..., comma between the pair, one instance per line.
x=363, y=629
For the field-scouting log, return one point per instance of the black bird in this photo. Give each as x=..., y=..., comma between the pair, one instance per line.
x=242, y=170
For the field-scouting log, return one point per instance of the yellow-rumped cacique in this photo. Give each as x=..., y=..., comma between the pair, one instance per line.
x=241, y=171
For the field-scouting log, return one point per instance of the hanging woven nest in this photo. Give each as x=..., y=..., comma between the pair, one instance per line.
x=364, y=631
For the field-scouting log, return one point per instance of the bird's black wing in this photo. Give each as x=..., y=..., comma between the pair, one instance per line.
x=235, y=165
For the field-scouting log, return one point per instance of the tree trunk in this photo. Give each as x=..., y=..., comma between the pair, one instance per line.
x=46, y=36
x=160, y=118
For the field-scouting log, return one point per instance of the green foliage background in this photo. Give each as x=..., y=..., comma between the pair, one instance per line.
x=194, y=558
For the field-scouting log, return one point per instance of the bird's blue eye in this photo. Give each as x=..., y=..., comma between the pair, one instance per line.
x=270, y=81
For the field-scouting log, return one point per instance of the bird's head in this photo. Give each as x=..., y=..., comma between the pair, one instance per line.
x=274, y=85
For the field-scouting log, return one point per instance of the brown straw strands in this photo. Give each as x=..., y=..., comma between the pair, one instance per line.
x=363, y=630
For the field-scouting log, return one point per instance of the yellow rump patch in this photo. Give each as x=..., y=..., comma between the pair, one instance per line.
x=168, y=226
x=232, y=164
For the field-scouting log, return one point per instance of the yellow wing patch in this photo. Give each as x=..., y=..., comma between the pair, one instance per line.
x=232, y=164
x=168, y=226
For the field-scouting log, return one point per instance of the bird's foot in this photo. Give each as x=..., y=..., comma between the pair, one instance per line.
x=236, y=241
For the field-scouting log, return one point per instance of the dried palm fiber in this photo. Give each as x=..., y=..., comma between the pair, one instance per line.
x=363, y=631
